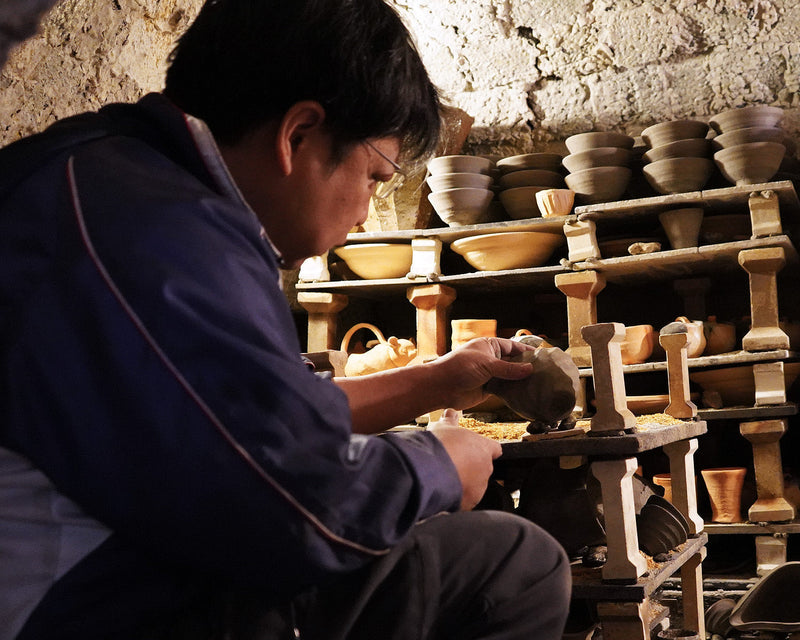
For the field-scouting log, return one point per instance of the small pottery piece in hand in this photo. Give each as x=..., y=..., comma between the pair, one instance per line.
x=549, y=394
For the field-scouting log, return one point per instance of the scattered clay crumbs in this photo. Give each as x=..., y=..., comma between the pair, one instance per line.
x=504, y=431
x=496, y=430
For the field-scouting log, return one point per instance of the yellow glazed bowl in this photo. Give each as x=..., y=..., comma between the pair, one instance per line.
x=377, y=261
x=512, y=250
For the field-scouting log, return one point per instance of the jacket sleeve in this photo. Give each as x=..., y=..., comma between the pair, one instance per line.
x=157, y=381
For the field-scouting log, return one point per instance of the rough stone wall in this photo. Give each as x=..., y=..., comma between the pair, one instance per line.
x=530, y=72
x=88, y=53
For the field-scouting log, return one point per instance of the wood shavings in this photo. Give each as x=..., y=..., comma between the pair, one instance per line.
x=642, y=422
x=502, y=431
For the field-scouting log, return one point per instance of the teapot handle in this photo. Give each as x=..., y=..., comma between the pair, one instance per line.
x=361, y=325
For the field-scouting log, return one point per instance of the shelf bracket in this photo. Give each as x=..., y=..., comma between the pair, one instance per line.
x=762, y=265
x=771, y=505
x=765, y=213
x=581, y=289
x=682, y=479
x=433, y=303
x=322, y=309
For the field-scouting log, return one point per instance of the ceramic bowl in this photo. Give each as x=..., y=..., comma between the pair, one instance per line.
x=688, y=148
x=460, y=164
x=754, y=134
x=445, y=181
x=597, y=157
x=531, y=178
x=750, y=163
x=512, y=250
x=726, y=227
x=555, y=202
x=759, y=115
x=461, y=207
x=592, y=139
x=666, y=132
x=520, y=202
x=678, y=175
x=736, y=385
x=543, y=160
x=599, y=184
x=377, y=261
x=637, y=346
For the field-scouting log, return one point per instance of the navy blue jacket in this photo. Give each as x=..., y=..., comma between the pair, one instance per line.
x=151, y=376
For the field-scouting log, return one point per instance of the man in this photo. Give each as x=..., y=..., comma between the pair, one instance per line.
x=169, y=467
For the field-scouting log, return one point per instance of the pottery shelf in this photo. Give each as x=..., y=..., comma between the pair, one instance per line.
x=623, y=588
x=752, y=528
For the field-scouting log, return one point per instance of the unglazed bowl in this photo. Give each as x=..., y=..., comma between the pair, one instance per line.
x=460, y=164
x=531, y=178
x=666, y=132
x=750, y=163
x=759, y=115
x=542, y=160
x=688, y=148
x=512, y=250
x=599, y=184
x=445, y=181
x=678, y=175
x=597, y=157
x=520, y=203
x=592, y=139
x=377, y=261
x=754, y=134
x=462, y=207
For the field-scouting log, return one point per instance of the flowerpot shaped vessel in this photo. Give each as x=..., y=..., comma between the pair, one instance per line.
x=555, y=202
x=682, y=226
x=724, y=486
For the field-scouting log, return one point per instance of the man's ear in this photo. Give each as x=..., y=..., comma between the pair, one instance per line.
x=298, y=123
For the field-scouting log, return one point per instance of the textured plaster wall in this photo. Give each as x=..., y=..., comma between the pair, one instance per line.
x=87, y=53
x=530, y=72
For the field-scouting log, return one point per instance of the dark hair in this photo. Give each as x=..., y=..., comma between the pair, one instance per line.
x=243, y=63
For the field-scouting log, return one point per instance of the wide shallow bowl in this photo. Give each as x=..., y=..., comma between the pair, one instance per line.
x=445, y=181
x=460, y=164
x=759, y=115
x=750, y=163
x=597, y=157
x=377, y=261
x=542, y=160
x=678, y=175
x=461, y=207
x=771, y=605
x=726, y=227
x=593, y=139
x=666, y=132
x=512, y=250
x=599, y=184
x=736, y=385
x=520, y=203
x=532, y=178
x=754, y=134
x=688, y=148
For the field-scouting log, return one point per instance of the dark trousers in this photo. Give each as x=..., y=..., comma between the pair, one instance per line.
x=487, y=575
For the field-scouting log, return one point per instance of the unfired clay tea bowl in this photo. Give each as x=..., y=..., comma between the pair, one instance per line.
x=592, y=139
x=460, y=164
x=666, y=132
x=445, y=181
x=750, y=163
x=758, y=115
x=678, y=175
x=599, y=184
x=597, y=157
x=462, y=207
x=543, y=160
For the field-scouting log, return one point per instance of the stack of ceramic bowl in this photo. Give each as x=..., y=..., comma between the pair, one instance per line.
x=679, y=156
x=598, y=165
x=461, y=189
x=521, y=177
x=750, y=145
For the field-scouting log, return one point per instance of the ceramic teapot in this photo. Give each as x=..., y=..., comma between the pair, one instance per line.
x=387, y=354
x=696, y=339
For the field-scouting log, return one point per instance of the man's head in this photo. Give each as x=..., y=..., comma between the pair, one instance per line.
x=312, y=103
x=245, y=62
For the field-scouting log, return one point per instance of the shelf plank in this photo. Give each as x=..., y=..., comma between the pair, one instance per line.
x=644, y=438
x=588, y=584
x=752, y=528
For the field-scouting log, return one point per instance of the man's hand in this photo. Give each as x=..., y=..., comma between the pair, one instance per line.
x=471, y=453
